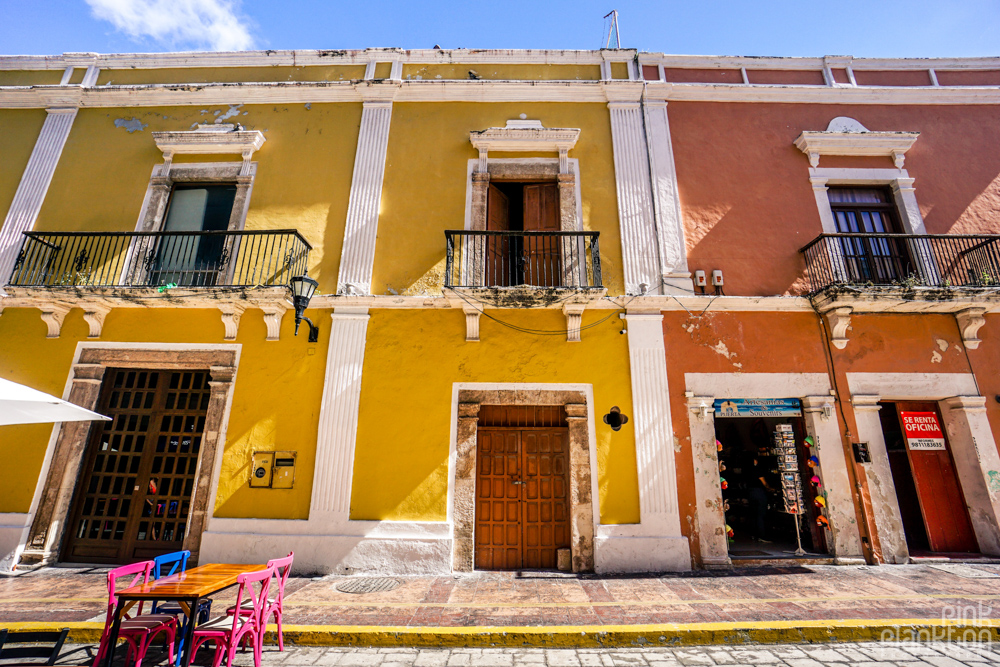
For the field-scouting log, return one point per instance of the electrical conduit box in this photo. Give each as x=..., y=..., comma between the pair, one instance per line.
x=275, y=470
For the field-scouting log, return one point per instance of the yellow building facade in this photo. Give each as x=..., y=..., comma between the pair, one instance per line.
x=322, y=169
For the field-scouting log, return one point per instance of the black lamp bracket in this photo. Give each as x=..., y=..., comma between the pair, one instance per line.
x=313, y=329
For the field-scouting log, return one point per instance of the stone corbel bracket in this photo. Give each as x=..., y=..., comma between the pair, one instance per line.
x=273, y=315
x=970, y=321
x=846, y=136
x=472, y=315
x=839, y=320
x=53, y=317
x=574, y=320
x=221, y=139
x=94, y=316
x=231, y=314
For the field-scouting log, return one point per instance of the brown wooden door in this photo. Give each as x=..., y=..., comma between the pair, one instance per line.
x=522, y=503
x=134, y=494
x=942, y=503
x=542, y=259
x=499, y=258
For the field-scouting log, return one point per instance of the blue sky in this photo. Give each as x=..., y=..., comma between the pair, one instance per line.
x=893, y=28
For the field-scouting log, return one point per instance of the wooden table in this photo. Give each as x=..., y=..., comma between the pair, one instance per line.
x=188, y=589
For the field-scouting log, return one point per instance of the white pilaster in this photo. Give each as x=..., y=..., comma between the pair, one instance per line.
x=34, y=184
x=358, y=255
x=338, y=418
x=669, y=225
x=656, y=543
x=977, y=463
x=828, y=447
x=885, y=506
x=635, y=199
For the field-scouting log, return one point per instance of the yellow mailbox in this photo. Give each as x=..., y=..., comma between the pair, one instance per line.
x=261, y=469
x=284, y=470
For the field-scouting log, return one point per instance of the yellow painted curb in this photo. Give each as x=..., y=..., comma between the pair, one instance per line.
x=596, y=636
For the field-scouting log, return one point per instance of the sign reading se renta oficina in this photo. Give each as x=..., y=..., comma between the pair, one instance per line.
x=922, y=430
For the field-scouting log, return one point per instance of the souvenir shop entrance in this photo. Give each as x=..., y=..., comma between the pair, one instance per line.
x=772, y=489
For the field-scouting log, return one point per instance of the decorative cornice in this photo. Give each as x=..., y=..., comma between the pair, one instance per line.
x=210, y=140
x=846, y=136
x=525, y=136
x=292, y=92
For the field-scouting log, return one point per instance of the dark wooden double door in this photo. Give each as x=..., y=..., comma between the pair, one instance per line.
x=133, y=497
x=523, y=259
x=522, y=498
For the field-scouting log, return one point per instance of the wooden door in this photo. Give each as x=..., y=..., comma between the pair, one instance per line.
x=500, y=261
x=134, y=494
x=522, y=503
x=942, y=503
x=542, y=256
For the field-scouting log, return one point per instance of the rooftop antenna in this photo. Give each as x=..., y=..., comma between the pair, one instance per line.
x=613, y=30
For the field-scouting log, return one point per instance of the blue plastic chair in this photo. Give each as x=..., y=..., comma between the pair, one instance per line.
x=164, y=566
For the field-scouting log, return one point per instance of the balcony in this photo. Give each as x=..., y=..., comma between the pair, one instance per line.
x=164, y=260
x=903, y=261
x=521, y=269
x=904, y=273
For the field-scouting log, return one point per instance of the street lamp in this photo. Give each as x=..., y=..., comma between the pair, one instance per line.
x=303, y=288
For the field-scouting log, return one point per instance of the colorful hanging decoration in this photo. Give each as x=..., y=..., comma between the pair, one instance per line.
x=722, y=466
x=820, y=501
x=822, y=521
x=809, y=441
x=729, y=532
x=815, y=482
x=813, y=462
x=723, y=483
x=718, y=446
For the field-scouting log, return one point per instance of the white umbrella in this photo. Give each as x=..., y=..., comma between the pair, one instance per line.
x=24, y=405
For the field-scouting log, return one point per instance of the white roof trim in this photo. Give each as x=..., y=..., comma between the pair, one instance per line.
x=219, y=139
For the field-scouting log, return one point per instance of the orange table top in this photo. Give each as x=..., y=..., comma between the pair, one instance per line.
x=195, y=583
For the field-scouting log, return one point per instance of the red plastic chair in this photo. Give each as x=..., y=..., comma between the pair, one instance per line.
x=229, y=634
x=139, y=630
x=275, y=605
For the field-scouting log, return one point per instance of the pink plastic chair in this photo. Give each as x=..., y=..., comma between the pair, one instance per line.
x=138, y=630
x=228, y=635
x=275, y=604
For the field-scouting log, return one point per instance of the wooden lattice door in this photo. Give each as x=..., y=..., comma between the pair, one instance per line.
x=522, y=488
x=134, y=494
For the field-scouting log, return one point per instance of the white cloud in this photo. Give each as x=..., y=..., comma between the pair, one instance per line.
x=200, y=24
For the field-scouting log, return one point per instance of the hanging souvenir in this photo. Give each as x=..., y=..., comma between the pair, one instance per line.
x=809, y=441
x=820, y=501
x=822, y=521
x=815, y=482
x=722, y=466
x=813, y=462
x=718, y=445
x=725, y=506
x=723, y=483
x=729, y=532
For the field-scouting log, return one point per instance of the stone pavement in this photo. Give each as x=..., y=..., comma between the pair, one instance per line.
x=539, y=599
x=938, y=654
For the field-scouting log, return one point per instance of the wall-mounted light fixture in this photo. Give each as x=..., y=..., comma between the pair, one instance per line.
x=303, y=288
x=615, y=419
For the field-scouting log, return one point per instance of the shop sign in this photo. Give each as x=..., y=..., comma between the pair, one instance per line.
x=922, y=430
x=758, y=407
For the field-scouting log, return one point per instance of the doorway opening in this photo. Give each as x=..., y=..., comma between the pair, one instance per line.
x=522, y=488
x=931, y=503
x=133, y=499
x=523, y=250
x=770, y=482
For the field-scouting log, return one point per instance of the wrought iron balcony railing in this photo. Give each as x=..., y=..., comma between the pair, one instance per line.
x=150, y=259
x=905, y=260
x=509, y=259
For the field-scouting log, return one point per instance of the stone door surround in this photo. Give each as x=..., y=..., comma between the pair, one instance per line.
x=48, y=526
x=581, y=500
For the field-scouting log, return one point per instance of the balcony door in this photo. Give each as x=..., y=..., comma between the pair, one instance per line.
x=513, y=259
x=190, y=258
x=880, y=261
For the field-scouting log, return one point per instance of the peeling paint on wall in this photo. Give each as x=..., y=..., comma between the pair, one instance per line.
x=131, y=124
x=234, y=110
x=936, y=357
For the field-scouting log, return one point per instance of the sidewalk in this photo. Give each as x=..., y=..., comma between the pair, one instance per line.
x=815, y=603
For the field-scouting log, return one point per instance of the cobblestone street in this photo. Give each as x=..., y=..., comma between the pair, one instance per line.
x=939, y=654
